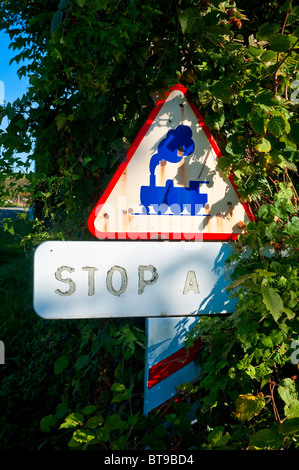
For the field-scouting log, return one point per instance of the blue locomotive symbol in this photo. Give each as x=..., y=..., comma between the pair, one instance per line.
x=177, y=144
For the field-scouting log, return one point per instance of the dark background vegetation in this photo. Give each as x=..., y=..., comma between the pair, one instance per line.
x=95, y=69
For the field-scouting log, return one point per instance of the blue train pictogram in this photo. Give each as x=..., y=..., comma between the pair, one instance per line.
x=177, y=144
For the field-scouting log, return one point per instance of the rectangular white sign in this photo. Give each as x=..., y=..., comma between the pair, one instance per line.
x=131, y=279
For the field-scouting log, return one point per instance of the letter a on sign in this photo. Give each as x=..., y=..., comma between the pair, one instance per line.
x=169, y=186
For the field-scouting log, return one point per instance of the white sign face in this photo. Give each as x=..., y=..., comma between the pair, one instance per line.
x=130, y=279
x=169, y=183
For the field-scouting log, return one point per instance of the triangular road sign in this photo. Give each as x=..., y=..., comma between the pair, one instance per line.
x=169, y=186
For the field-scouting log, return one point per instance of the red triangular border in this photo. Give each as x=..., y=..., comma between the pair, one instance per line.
x=120, y=170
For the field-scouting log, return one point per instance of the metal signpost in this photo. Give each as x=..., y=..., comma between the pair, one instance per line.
x=168, y=188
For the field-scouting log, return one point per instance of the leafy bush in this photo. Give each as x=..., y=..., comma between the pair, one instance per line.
x=95, y=68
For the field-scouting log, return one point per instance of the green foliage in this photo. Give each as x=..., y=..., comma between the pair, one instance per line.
x=95, y=70
x=246, y=357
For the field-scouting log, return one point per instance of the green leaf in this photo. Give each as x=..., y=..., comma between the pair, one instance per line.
x=293, y=226
x=61, y=410
x=218, y=30
x=40, y=18
x=222, y=91
x=133, y=420
x=255, y=51
x=266, y=30
x=61, y=364
x=240, y=281
x=291, y=410
x=293, y=15
x=8, y=227
x=95, y=421
x=117, y=387
x=280, y=42
x=266, y=341
x=82, y=435
x=103, y=434
x=263, y=145
x=187, y=388
x=72, y=420
x=273, y=302
x=269, y=56
x=266, y=98
x=289, y=313
x=86, y=160
x=60, y=121
x=114, y=422
x=56, y=21
x=268, y=439
x=82, y=361
x=244, y=109
x=190, y=20
x=248, y=406
x=122, y=392
x=290, y=426
x=101, y=4
x=258, y=123
x=205, y=97
x=288, y=390
x=81, y=3
x=277, y=125
x=218, y=438
x=89, y=409
x=47, y=422
x=63, y=4
x=215, y=121
x=286, y=6
x=10, y=111
x=73, y=443
x=20, y=123
x=294, y=133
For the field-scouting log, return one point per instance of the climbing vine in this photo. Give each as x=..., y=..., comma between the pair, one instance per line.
x=96, y=69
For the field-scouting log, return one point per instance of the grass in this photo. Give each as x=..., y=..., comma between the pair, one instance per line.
x=27, y=374
x=29, y=388
x=16, y=280
x=16, y=322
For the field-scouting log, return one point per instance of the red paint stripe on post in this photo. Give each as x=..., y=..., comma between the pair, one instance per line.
x=172, y=364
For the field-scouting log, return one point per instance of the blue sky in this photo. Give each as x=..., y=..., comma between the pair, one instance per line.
x=14, y=87
x=10, y=83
